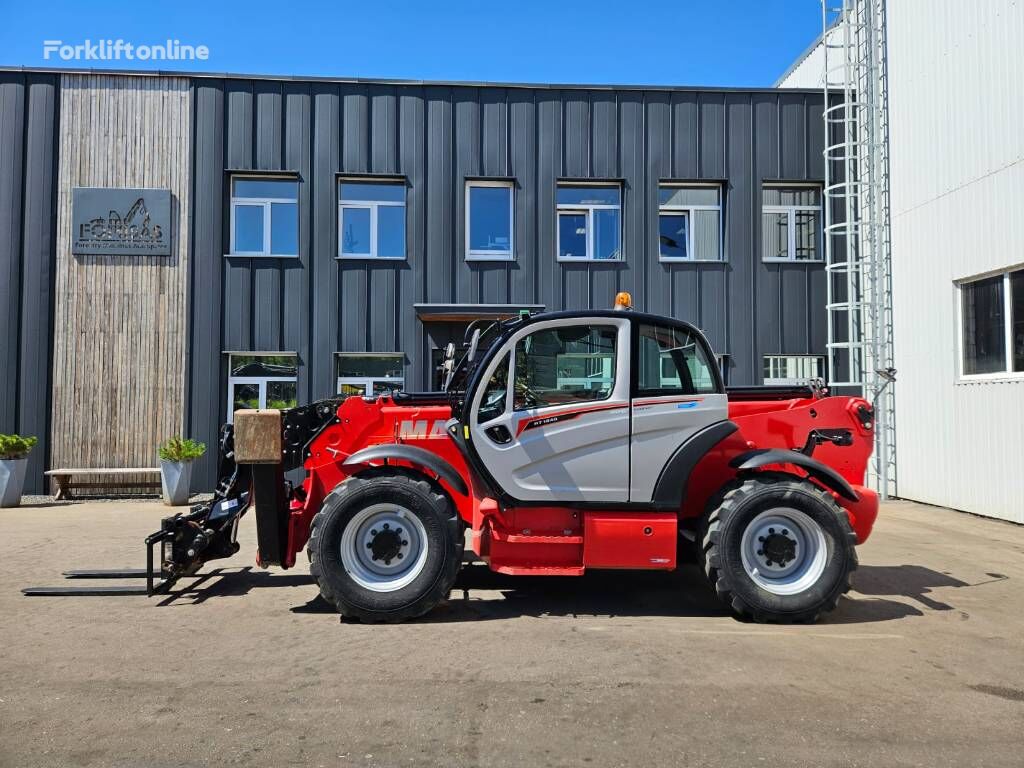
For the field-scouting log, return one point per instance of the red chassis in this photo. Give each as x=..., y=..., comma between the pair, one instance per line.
x=565, y=540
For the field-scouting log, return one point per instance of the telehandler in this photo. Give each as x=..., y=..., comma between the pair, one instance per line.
x=561, y=442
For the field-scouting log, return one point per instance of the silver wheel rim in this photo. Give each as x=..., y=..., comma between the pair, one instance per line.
x=783, y=551
x=384, y=547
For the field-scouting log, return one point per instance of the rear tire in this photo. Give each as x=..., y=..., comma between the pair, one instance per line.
x=777, y=548
x=385, y=547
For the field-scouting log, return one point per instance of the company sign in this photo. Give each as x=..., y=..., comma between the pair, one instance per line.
x=120, y=222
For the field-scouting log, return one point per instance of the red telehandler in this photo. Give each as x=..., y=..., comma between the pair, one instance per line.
x=562, y=442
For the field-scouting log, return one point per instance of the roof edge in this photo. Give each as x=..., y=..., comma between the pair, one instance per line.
x=803, y=56
x=393, y=81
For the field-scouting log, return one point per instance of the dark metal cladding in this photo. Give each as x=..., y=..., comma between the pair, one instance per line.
x=29, y=114
x=436, y=136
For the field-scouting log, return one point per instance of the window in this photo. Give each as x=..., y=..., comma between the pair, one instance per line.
x=489, y=220
x=672, y=362
x=793, y=369
x=261, y=381
x=371, y=219
x=494, y=399
x=791, y=223
x=571, y=364
x=992, y=319
x=1016, y=280
x=365, y=375
x=264, y=217
x=690, y=223
x=589, y=222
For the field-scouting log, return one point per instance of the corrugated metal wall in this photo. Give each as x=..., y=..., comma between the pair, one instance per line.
x=28, y=181
x=438, y=135
x=957, y=178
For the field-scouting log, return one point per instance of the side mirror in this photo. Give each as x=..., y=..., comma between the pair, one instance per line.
x=471, y=354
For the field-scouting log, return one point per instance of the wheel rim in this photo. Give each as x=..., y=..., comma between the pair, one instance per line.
x=384, y=547
x=784, y=551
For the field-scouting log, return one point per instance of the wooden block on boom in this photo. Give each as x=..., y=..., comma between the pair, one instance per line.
x=258, y=436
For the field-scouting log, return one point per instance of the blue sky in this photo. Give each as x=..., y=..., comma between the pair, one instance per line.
x=686, y=42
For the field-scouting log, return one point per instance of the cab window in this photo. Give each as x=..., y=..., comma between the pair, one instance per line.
x=672, y=362
x=493, y=403
x=570, y=364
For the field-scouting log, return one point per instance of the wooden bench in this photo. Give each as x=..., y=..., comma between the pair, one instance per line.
x=62, y=477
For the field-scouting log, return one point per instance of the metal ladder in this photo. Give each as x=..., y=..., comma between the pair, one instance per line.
x=857, y=248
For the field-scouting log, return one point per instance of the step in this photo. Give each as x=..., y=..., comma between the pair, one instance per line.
x=539, y=570
x=530, y=538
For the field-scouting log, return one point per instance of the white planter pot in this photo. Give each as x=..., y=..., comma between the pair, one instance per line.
x=12, y=481
x=175, y=477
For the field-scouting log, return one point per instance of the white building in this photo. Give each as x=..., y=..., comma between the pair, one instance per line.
x=956, y=141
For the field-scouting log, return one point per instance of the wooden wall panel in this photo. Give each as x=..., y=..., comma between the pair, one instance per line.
x=120, y=322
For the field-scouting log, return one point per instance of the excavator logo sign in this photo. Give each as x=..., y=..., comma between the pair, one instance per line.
x=421, y=429
x=129, y=222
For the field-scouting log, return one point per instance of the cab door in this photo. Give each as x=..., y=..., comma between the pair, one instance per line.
x=552, y=422
x=677, y=394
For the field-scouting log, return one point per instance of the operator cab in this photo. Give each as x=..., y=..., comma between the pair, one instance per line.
x=585, y=406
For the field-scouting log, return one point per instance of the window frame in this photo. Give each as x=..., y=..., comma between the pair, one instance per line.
x=366, y=382
x=510, y=253
x=637, y=391
x=588, y=209
x=374, y=207
x=767, y=381
x=503, y=358
x=1007, y=374
x=598, y=323
x=791, y=211
x=688, y=210
x=260, y=381
x=267, y=204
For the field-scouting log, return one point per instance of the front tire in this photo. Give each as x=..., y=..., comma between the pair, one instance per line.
x=777, y=548
x=385, y=547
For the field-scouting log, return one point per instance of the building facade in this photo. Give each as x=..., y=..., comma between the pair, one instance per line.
x=317, y=236
x=957, y=250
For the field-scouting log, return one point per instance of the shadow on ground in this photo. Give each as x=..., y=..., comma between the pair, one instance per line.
x=912, y=581
x=480, y=594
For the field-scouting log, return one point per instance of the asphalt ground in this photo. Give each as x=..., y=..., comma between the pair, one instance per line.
x=923, y=664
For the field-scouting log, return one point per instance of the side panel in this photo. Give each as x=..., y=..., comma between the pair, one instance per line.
x=789, y=425
x=628, y=540
x=583, y=456
x=660, y=425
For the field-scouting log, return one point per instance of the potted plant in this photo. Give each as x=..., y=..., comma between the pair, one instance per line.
x=176, y=457
x=13, y=461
